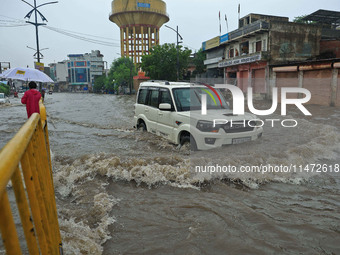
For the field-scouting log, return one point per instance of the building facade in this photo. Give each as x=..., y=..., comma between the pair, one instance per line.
x=83, y=68
x=247, y=57
x=59, y=73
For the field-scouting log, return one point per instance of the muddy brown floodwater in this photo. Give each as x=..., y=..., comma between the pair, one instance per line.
x=120, y=191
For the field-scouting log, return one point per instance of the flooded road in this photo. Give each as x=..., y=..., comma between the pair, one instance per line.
x=121, y=191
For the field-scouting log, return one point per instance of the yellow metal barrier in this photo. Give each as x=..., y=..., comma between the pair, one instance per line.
x=26, y=161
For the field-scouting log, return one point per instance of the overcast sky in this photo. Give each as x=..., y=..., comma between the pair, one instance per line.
x=197, y=20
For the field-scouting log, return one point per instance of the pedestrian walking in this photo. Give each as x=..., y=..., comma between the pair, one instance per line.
x=31, y=99
x=43, y=94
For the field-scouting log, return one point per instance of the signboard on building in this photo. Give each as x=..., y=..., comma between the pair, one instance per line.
x=224, y=38
x=75, y=55
x=212, y=61
x=240, y=61
x=39, y=66
x=143, y=5
x=212, y=43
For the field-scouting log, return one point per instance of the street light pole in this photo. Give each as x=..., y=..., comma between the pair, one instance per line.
x=36, y=29
x=178, y=42
x=177, y=55
x=36, y=52
x=36, y=24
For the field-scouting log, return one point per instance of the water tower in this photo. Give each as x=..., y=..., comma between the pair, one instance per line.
x=139, y=22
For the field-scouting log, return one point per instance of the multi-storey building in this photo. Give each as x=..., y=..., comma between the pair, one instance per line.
x=59, y=73
x=250, y=55
x=83, y=68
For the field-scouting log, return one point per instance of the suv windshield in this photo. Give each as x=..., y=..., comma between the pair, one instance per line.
x=187, y=99
x=2, y=96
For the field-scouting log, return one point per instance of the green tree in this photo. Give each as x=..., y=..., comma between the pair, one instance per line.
x=99, y=83
x=161, y=63
x=121, y=74
x=4, y=89
x=198, y=60
x=299, y=19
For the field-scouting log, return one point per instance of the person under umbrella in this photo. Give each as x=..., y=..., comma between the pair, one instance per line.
x=31, y=99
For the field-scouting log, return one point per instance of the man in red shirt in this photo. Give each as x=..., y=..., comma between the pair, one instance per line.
x=31, y=99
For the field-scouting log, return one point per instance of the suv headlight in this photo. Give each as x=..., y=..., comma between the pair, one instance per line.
x=259, y=123
x=207, y=126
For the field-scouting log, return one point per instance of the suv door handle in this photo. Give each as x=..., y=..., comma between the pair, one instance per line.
x=146, y=109
x=160, y=113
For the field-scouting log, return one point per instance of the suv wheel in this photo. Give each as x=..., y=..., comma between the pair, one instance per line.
x=187, y=138
x=142, y=126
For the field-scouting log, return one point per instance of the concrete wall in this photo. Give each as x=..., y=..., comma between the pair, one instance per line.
x=293, y=41
x=330, y=48
x=252, y=17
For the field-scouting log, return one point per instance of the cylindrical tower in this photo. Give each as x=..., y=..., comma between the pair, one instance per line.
x=139, y=22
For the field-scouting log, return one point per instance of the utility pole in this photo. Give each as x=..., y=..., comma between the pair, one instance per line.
x=36, y=24
x=178, y=42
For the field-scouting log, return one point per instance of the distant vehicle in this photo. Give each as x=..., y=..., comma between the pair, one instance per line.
x=50, y=92
x=173, y=110
x=3, y=99
x=21, y=93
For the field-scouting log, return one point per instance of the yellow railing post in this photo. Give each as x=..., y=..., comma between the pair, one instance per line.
x=42, y=184
x=42, y=110
x=25, y=215
x=34, y=196
x=30, y=149
x=7, y=226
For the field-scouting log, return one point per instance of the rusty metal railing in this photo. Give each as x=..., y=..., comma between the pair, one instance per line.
x=26, y=162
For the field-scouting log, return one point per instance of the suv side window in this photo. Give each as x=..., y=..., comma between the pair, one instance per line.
x=154, y=98
x=142, y=96
x=165, y=97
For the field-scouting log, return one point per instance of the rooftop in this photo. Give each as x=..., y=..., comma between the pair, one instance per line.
x=324, y=16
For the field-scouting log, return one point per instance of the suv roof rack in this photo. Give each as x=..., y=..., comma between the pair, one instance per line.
x=158, y=81
x=202, y=83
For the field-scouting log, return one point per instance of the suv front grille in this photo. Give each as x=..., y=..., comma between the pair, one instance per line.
x=239, y=127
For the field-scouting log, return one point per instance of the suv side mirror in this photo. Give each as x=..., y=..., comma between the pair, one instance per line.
x=165, y=107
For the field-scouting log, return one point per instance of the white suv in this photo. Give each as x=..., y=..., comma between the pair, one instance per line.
x=3, y=98
x=173, y=110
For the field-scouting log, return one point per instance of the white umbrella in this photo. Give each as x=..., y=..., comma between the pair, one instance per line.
x=26, y=74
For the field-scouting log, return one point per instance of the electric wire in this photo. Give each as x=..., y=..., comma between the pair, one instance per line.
x=17, y=20
x=8, y=25
x=95, y=36
x=76, y=35
x=11, y=22
x=105, y=43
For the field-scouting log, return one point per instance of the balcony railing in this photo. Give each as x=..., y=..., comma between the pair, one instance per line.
x=248, y=29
